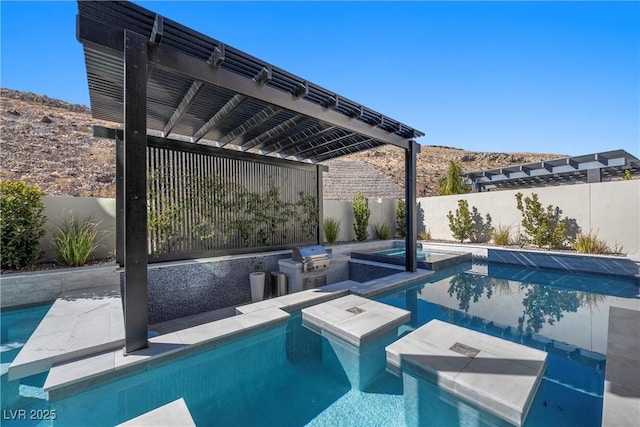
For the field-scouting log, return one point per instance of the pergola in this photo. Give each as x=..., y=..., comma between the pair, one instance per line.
x=165, y=83
x=586, y=168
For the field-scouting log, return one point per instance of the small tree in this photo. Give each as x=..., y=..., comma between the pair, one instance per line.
x=543, y=227
x=361, y=214
x=401, y=215
x=451, y=183
x=461, y=224
x=22, y=223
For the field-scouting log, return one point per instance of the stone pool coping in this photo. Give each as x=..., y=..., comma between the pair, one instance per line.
x=353, y=319
x=79, y=323
x=74, y=375
x=500, y=376
x=620, y=266
x=69, y=377
x=173, y=414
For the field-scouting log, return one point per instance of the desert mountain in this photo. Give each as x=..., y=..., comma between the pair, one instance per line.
x=49, y=142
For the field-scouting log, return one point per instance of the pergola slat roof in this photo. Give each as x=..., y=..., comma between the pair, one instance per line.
x=240, y=102
x=167, y=83
x=562, y=170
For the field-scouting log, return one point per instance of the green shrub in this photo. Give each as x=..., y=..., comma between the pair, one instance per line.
x=22, y=223
x=543, y=227
x=590, y=244
x=424, y=235
x=382, y=231
x=461, y=224
x=401, y=219
x=331, y=228
x=501, y=235
x=74, y=242
x=361, y=213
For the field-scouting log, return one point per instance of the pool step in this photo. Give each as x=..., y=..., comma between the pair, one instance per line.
x=33, y=392
x=174, y=414
x=79, y=323
x=355, y=332
x=498, y=376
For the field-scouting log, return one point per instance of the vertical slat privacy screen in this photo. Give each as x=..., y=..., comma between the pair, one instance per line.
x=205, y=201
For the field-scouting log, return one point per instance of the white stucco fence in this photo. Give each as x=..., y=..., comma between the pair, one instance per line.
x=611, y=209
x=99, y=210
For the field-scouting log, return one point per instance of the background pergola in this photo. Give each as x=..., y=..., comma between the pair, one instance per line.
x=167, y=83
x=566, y=170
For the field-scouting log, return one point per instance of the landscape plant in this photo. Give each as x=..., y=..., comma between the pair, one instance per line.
x=401, y=216
x=75, y=241
x=451, y=182
x=22, y=221
x=543, y=227
x=331, y=228
x=461, y=224
x=501, y=235
x=361, y=213
x=588, y=243
x=424, y=235
x=382, y=231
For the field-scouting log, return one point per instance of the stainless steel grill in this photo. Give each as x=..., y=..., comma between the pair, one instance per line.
x=313, y=258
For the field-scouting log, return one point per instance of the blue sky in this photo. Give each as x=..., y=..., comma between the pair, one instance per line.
x=508, y=76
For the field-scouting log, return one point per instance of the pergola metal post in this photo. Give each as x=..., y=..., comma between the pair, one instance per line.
x=319, y=170
x=135, y=192
x=119, y=199
x=410, y=158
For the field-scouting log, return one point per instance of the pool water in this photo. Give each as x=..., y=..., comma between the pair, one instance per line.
x=16, y=326
x=428, y=260
x=422, y=255
x=278, y=378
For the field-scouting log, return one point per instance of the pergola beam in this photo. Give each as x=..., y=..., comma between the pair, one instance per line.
x=173, y=61
x=158, y=28
x=331, y=153
x=263, y=76
x=299, y=152
x=216, y=58
x=305, y=135
x=259, y=141
x=261, y=117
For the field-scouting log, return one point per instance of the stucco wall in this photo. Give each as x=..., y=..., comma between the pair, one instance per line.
x=382, y=210
x=611, y=209
x=102, y=210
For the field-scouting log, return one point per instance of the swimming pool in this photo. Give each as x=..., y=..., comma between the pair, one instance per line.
x=16, y=327
x=277, y=377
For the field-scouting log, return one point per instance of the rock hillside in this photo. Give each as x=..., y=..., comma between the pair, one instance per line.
x=49, y=142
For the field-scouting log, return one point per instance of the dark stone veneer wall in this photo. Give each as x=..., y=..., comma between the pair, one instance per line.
x=186, y=288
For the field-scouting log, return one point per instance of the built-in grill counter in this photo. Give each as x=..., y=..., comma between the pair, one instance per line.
x=312, y=267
